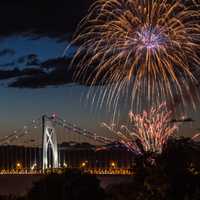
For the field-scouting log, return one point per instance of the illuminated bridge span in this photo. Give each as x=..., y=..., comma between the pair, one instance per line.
x=109, y=171
x=54, y=120
x=62, y=145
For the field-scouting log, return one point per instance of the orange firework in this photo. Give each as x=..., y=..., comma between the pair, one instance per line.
x=145, y=50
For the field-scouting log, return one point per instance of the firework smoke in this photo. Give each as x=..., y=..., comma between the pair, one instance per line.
x=148, y=132
x=144, y=50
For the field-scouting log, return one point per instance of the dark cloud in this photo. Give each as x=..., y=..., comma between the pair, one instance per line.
x=7, y=52
x=52, y=72
x=56, y=63
x=7, y=74
x=28, y=60
x=15, y=73
x=56, y=18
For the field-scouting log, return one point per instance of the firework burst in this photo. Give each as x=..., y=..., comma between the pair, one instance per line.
x=140, y=49
x=148, y=132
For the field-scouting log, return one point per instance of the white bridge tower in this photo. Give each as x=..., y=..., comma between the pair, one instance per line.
x=49, y=141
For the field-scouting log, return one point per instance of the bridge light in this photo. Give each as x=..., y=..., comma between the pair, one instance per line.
x=18, y=166
x=83, y=164
x=65, y=164
x=113, y=164
x=33, y=166
x=54, y=115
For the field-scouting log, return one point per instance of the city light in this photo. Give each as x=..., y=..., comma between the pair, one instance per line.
x=83, y=164
x=18, y=166
x=33, y=166
x=113, y=164
x=65, y=164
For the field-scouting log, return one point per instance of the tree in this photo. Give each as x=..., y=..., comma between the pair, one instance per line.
x=71, y=185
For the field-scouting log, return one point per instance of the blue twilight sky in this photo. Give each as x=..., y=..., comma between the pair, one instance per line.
x=19, y=106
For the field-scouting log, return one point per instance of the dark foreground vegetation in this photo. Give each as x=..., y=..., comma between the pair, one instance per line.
x=173, y=175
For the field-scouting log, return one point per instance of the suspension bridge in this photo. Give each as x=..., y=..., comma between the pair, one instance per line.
x=50, y=143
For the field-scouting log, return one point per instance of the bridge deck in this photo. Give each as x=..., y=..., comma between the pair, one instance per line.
x=94, y=171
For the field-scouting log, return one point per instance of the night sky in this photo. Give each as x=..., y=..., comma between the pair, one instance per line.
x=34, y=78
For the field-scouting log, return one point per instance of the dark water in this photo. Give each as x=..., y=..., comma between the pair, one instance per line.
x=20, y=184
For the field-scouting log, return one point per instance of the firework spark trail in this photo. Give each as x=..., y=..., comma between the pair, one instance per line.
x=152, y=129
x=140, y=49
x=196, y=136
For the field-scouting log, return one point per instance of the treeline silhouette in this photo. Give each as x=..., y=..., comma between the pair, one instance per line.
x=172, y=175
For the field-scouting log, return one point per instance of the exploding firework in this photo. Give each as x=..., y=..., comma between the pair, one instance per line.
x=140, y=49
x=148, y=132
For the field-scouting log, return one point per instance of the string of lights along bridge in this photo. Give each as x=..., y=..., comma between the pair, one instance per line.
x=51, y=143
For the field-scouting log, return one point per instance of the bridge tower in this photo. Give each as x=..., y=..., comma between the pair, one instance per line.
x=49, y=141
